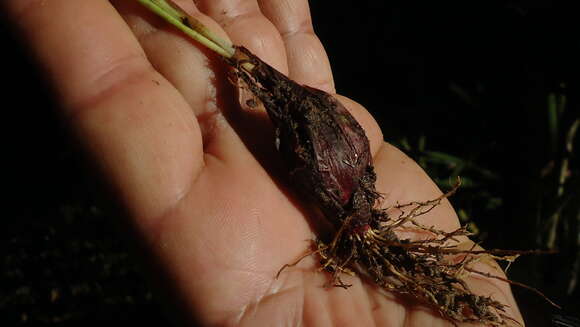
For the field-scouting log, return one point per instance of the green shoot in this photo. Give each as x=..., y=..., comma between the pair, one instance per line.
x=193, y=28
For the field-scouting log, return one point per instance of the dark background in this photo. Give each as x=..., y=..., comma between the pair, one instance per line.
x=466, y=89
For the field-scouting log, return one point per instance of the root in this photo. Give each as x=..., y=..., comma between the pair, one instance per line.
x=309, y=253
x=421, y=208
x=418, y=268
x=514, y=283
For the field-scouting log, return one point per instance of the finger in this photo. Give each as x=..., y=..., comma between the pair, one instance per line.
x=247, y=26
x=202, y=79
x=307, y=61
x=485, y=286
x=189, y=66
x=402, y=180
x=135, y=124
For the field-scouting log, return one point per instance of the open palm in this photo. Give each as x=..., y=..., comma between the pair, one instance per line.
x=199, y=174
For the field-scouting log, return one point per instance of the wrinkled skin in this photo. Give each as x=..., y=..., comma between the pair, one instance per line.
x=150, y=108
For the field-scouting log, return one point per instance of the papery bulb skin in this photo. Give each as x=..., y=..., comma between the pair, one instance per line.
x=325, y=149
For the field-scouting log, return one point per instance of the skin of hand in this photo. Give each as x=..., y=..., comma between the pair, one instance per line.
x=159, y=116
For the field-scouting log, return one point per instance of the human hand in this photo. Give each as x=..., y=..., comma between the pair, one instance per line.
x=198, y=174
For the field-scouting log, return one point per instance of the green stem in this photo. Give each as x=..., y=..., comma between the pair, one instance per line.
x=174, y=15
